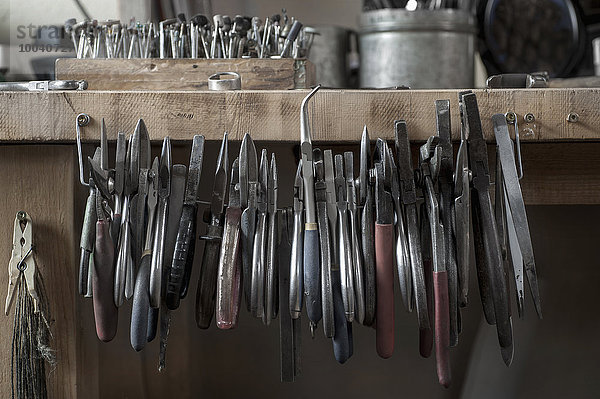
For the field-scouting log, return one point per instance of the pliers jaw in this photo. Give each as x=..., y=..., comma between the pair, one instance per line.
x=384, y=208
x=298, y=188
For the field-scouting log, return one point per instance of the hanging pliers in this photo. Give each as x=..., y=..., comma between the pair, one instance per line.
x=296, y=261
x=408, y=196
x=158, y=246
x=462, y=211
x=248, y=185
x=446, y=206
x=312, y=283
x=345, y=259
x=485, y=232
x=229, y=273
x=430, y=159
x=185, y=244
x=384, y=253
x=365, y=195
x=259, y=252
x=325, y=241
x=272, y=265
x=207, y=281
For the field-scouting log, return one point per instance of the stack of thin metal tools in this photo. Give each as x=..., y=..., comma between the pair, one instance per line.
x=199, y=37
x=335, y=251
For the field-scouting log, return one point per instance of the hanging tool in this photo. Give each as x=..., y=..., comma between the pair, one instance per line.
x=289, y=327
x=185, y=243
x=312, y=283
x=248, y=186
x=401, y=248
x=384, y=253
x=408, y=196
x=355, y=244
x=430, y=159
x=483, y=216
x=462, y=210
x=365, y=193
x=229, y=273
x=296, y=261
x=271, y=269
x=345, y=259
x=141, y=296
x=446, y=204
x=158, y=246
x=207, y=281
x=325, y=240
x=31, y=330
x=515, y=207
x=259, y=253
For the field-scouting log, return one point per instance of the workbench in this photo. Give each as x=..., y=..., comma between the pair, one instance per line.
x=38, y=159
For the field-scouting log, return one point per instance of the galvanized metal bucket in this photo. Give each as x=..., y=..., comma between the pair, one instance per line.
x=422, y=49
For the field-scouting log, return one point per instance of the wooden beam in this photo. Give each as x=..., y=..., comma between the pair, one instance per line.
x=336, y=115
x=186, y=74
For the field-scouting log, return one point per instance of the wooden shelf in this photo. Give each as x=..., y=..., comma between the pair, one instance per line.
x=337, y=115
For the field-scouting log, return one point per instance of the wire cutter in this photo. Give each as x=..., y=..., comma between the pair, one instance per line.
x=384, y=253
x=312, y=283
x=207, y=281
x=248, y=185
x=296, y=261
x=229, y=273
x=22, y=262
x=325, y=240
x=408, y=197
x=489, y=261
x=516, y=217
x=446, y=209
x=259, y=253
x=185, y=244
x=367, y=219
x=158, y=246
x=430, y=158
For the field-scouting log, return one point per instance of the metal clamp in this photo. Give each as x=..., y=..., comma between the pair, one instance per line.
x=232, y=81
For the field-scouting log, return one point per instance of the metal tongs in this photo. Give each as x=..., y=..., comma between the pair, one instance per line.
x=490, y=269
x=44, y=85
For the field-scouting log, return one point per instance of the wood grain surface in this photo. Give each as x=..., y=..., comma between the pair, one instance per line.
x=336, y=115
x=185, y=74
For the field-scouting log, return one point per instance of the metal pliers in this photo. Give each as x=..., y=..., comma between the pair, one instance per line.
x=248, y=186
x=272, y=264
x=492, y=280
x=345, y=259
x=312, y=283
x=229, y=274
x=325, y=243
x=207, y=281
x=384, y=252
x=408, y=197
x=158, y=246
x=462, y=211
x=259, y=253
x=185, y=244
x=141, y=296
x=296, y=253
x=519, y=238
x=446, y=208
x=430, y=158
x=367, y=225
x=21, y=267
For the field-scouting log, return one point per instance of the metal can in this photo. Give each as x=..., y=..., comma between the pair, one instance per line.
x=422, y=49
